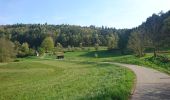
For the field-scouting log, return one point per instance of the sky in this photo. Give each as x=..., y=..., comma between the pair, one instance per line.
x=110, y=13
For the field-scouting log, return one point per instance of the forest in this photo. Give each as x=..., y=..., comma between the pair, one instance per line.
x=152, y=35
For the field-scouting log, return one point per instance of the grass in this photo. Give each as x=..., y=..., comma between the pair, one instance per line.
x=130, y=59
x=115, y=56
x=79, y=76
x=41, y=79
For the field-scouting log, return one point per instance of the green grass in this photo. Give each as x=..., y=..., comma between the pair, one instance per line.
x=130, y=59
x=38, y=79
x=80, y=76
x=115, y=56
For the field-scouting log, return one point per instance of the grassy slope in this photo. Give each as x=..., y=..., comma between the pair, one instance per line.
x=130, y=59
x=105, y=56
x=38, y=79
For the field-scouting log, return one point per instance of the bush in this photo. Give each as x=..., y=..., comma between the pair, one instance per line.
x=158, y=59
x=7, y=51
x=31, y=52
x=23, y=50
x=16, y=60
x=41, y=51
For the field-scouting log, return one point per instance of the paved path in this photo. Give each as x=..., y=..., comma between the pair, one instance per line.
x=151, y=84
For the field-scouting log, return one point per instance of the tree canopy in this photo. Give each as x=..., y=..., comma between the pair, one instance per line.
x=48, y=44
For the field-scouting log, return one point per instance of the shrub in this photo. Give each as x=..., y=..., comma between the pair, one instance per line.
x=41, y=51
x=23, y=50
x=7, y=51
x=158, y=59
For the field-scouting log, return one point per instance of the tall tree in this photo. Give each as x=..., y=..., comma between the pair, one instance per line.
x=135, y=43
x=112, y=41
x=165, y=33
x=152, y=29
x=48, y=44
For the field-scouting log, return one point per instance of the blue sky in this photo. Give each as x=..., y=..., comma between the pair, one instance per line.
x=111, y=13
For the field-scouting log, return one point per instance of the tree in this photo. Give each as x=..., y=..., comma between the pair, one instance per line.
x=96, y=46
x=48, y=44
x=112, y=42
x=135, y=43
x=123, y=39
x=165, y=33
x=17, y=45
x=59, y=47
x=7, y=51
x=152, y=29
x=23, y=50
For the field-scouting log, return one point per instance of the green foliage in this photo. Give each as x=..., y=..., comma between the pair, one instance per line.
x=32, y=52
x=17, y=45
x=7, y=51
x=41, y=51
x=136, y=44
x=156, y=31
x=96, y=46
x=123, y=40
x=71, y=35
x=23, y=50
x=158, y=59
x=165, y=31
x=48, y=44
x=112, y=42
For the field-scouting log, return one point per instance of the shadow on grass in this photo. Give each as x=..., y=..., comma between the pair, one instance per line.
x=102, y=54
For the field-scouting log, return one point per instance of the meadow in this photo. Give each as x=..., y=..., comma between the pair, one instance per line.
x=115, y=56
x=81, y=75
x=46, y=78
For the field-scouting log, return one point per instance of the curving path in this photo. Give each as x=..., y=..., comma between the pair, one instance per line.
x=150, y=84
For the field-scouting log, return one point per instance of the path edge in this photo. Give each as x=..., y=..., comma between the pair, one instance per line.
x=134, y=82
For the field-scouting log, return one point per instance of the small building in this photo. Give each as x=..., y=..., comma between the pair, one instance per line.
x=60, y=55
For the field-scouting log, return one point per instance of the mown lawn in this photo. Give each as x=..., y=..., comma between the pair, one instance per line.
x=38, y=79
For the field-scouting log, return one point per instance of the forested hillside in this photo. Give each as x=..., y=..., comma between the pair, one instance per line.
x=153, y=35
x=71, y=35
